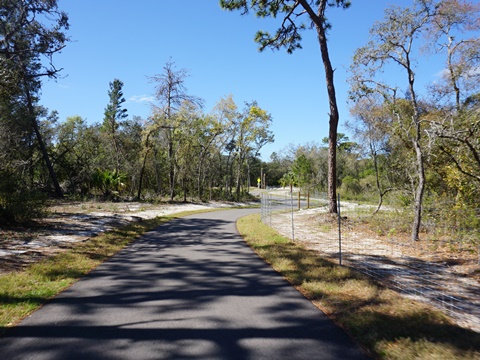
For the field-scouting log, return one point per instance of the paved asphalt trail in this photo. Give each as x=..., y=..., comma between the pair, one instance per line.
x=191, y=289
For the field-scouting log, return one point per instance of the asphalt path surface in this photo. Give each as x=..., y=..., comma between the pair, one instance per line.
x=191, y=289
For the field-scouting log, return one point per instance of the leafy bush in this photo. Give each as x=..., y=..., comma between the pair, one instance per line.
x=110, y=183
x=351, y=185
x=21, y=205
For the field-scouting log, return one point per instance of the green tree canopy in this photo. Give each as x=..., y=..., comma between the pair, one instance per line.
x=31, y=33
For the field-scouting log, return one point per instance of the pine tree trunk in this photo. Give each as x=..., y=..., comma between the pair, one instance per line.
x=43, y=149
x=333, y=116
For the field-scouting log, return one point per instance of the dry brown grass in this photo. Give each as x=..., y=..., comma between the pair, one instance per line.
x=386, y=324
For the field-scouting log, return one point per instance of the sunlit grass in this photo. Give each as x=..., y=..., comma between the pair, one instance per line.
x=384, y=323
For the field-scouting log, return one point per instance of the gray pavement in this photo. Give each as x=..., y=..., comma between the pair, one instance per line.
x=191, y=289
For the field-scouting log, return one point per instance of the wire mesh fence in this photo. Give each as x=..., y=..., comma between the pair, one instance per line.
x=436, y=269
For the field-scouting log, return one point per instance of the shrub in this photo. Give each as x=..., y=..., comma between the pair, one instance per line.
x=21, y=205
x=351, y=185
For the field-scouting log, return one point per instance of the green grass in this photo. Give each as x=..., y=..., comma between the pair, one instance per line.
x=385, y=324
x=24, y=291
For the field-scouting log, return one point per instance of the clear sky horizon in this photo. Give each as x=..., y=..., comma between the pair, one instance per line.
x=132, y=40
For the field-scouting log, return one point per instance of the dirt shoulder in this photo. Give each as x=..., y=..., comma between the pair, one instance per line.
x=415, y=271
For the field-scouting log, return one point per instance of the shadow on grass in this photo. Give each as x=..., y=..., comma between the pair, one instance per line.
x=14, y=300
x=375, y=316
x=415, y=327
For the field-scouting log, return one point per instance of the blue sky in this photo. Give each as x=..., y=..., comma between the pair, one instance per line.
x=131, y=40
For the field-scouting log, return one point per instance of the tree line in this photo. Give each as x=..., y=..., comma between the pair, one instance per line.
x=177, y=152
x=437, y=135
x=409, y=145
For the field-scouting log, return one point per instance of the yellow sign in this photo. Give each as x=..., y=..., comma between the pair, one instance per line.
x=259, y=181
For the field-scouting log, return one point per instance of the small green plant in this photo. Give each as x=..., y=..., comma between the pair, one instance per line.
x=392, y=232
x=110, y=183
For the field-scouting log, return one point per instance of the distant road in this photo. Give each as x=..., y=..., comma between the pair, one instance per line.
x=191, y=289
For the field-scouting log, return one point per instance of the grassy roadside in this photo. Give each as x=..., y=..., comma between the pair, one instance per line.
x=384, y=323
x=23, y=292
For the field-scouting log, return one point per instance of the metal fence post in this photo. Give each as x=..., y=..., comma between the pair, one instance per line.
x=262, y=207
x=270, y=201
x=293, y=227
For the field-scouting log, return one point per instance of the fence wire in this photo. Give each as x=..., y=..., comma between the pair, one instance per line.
x=425, y=270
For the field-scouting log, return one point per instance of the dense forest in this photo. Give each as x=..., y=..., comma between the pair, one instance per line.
x=407, y=146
